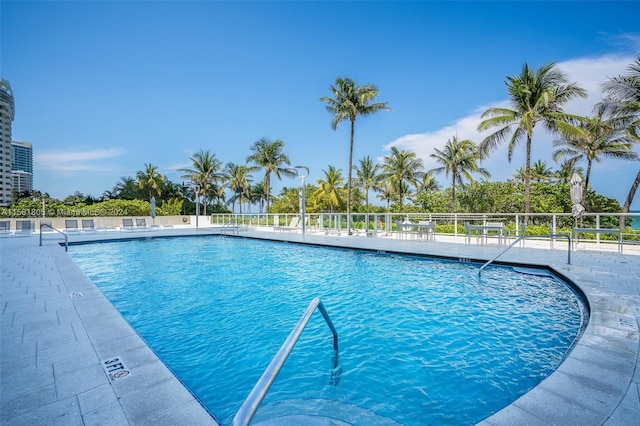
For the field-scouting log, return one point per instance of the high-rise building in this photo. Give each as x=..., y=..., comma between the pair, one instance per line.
x=22, y=166
x=7, y=113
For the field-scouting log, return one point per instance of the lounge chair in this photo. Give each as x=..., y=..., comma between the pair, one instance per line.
x=164, y=222
x=293, y=225
x=127, y=224
x=88, y=225
x=23, y=227
x=5, y=227
x=141, y=223
x=70, y=225
x=107, y=224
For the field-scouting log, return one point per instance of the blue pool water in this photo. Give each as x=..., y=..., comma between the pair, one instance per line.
x=422, y=341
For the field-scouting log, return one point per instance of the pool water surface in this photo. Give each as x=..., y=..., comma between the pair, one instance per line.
x=421, y=341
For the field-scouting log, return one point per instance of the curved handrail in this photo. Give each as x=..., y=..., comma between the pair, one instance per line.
x=66, y=237
x=522, y=237
x=259, y=391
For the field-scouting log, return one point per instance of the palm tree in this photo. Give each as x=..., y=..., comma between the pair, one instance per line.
x=387, y=192
x=591, y=139
x=150, y=180
x=459, y=158
x=348, y=102
x=331, y=188
x=402, y=168
x=567, y=169
x=536, y=97
x=269, y=156
x=622, y=100
x=126, y=189
x=204, y=174
x=259, y=195
x=238, y=180
x=540, y=172
x=368, y=177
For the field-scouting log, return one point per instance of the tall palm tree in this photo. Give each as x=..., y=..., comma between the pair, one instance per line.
x=126, y=189
x=387, y=192
x=269, y=156
x=259, y=195
x=238, y=180
x=591, y=139
x=567, y=169
x=622, y=100
x=402, y=168
x=150, y=180
x=460, y=159
x=540, y=172
x=205, y=173
x=348, y=102
x=331, y=188
x=368, y=177
x=536, y=96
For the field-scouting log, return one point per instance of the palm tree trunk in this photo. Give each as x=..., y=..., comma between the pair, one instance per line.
x=267, y=182
x=586, y=183
x=453, y=194
x=527, y=181
x=629, y=200
x=349, y=178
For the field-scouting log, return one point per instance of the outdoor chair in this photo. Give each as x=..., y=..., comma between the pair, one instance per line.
x=23, y=227
x=127, y=224
x=70, y=225
x=88, y=225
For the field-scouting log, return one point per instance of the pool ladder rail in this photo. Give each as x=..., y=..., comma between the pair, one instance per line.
x=259, y=391
x=66, y=237
x=522, y=237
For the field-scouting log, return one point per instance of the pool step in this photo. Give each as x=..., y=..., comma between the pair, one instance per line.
x=318, y=412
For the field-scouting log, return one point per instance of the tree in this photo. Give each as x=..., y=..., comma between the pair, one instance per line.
x=348, y=102
x=622, y=100
x=402, y=168
x=150, y=180
x=536, y=97
x=330, y=189
x=591, y=139
x=459, y=158
x=540, y=172
x=204, y=174
x=566, y=170
x=126, y=189
x=368, y=177
x=269, y=156
x=238, y=180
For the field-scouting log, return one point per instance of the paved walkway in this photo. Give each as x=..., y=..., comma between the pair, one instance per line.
x=68, y=357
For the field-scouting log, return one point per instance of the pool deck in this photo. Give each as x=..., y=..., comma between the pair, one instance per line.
x=59, y=334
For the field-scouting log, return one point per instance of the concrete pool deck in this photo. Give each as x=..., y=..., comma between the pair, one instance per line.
x=68, y=357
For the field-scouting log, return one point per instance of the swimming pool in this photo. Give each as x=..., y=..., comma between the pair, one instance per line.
x=422, y=341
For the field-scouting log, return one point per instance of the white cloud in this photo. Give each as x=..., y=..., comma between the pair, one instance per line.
x=589, y=73
x=71, y=162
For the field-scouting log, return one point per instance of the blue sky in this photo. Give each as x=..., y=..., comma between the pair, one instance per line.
x=101, y=88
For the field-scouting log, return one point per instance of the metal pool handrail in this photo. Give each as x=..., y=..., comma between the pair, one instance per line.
x=522, y=237
x=259, y=391
x=66, y=237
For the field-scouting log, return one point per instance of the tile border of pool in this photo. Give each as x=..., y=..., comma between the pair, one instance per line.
x=596, y=384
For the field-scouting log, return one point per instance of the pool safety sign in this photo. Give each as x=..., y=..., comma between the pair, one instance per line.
x=115, y=369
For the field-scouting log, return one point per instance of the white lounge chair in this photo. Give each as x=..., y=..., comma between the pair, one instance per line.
x=293, y=225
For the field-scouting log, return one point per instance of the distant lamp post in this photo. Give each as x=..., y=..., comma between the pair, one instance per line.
x=303, y=202
x=196, y=189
